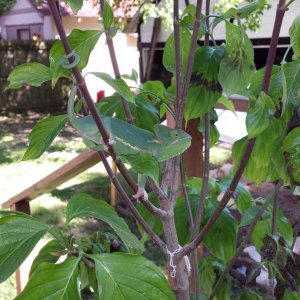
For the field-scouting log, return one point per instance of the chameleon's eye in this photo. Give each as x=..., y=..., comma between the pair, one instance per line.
x=174, y=134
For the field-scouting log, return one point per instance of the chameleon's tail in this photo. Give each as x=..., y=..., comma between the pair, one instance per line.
x=70, y=109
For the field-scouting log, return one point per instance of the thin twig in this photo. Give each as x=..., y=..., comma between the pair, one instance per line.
x=244, y=243
x=178, y=61
x=250, y=145
x=115, y=65
x=185, y=195
x=274, y=216
x=205, y=180
x=87, y=97
x=189, y=67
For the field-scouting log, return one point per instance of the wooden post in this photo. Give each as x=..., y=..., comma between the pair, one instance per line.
x=193, y=157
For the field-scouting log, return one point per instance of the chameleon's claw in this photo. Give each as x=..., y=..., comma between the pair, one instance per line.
x=141, y=193
x=105, y=148
x=111, y=142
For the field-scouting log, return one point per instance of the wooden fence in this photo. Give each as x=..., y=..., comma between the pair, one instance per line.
x=14, y=53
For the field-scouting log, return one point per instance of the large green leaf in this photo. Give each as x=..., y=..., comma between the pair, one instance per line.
x=107, y=15
x=264, y=227
x=259, y=115
x=221, y=239
x=81, y=42
x=18, y=236
x=266, y=161
x=205, y=90
x=43, y=134
x=237, y=67
x=85, y=206
x=30, y=73
x=275, y=90
x=119, y=85
x=207, y=275
x=169, y=52
x=291, y=295
x=181, y=217
x=75, y=5
x=292, y=76
x=294, y=33
x=125, y=277
x=49, y=253
x=53, y=281
x=291, y=150
x=143, y=163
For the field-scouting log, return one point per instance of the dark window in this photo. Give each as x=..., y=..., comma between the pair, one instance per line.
x=23, y=34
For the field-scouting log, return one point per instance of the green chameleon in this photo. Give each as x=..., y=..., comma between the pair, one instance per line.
x=128, y=139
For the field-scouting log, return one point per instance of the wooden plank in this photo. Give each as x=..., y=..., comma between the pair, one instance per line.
x=240, y=103
x=74, y=167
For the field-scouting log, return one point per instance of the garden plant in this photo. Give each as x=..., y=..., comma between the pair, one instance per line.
x=186, y=218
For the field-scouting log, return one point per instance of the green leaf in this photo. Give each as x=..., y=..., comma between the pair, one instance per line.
x=266, y=161
x=205, y=90
x=250, y=295
x=259, y=115
x=49, y=253
x=227, y=103
x=207, y=275
x=85, y=206
x=30, y=73
x=119, y=85
x=18, y=236
x=53, y=281
x=107, y=15
x=221, y=239
x=75, y=5
x=294, y=33
x=292, y=76
x=248, y=9
x=291, y=149
x=125, y=277
x=81, y=42
x=249, y=215
x=237, y=67
x=264, y=227
x=243, y=198
x=291, y=295
x=275, y=90
x=43, y=134
x=143, y=163
x=181, y=217
x=169, y=53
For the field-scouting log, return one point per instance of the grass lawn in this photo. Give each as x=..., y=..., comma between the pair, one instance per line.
x=16, y=175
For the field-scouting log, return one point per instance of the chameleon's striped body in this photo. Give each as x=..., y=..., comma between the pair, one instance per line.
x=164, y=144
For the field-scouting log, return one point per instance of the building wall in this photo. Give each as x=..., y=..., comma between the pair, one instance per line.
x=24, y=17
x=219, y=33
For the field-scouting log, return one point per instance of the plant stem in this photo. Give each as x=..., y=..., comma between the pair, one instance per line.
x=274, y=216
x=289, y=3
x=270, y=198
x=131, y=206
x=178, y=61
x=189, y=67
x=185, y=195
x=87, y=97
x=114, y=62
x=250, y=145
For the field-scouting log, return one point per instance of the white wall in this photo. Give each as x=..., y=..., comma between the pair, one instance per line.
x=219, y=33
x=127, y=56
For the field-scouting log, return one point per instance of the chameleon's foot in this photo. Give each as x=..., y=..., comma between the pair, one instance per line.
x=141, y=193
x=111, y=142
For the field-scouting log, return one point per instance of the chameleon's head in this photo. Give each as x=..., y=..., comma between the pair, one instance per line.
x=174, y=141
